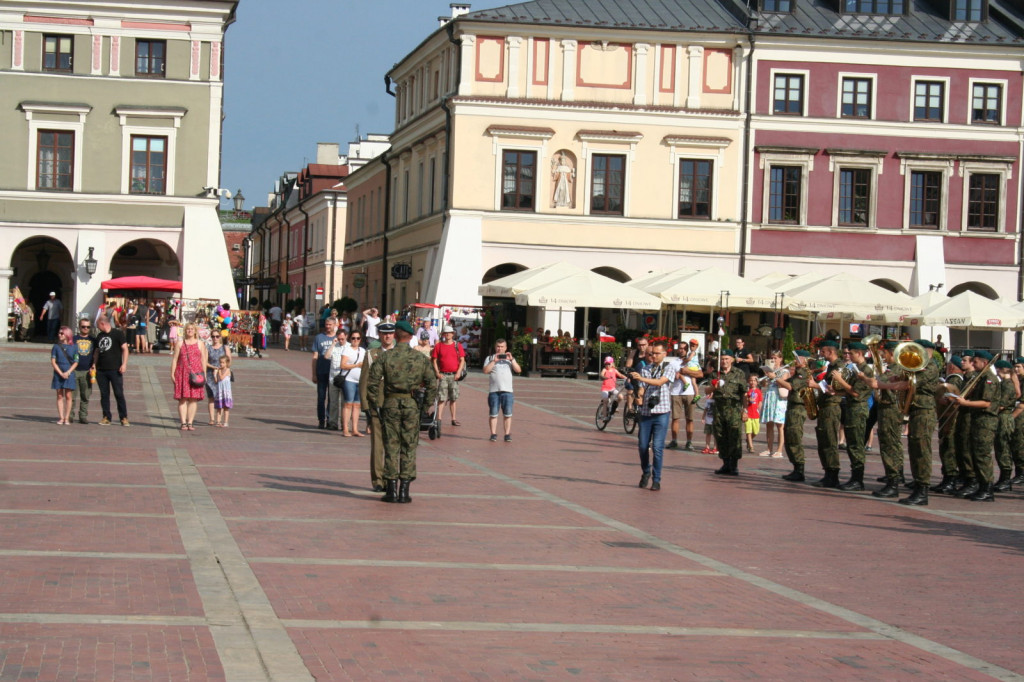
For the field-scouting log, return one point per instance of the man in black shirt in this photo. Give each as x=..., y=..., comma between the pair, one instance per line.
x=744, y=358
x=111, y=363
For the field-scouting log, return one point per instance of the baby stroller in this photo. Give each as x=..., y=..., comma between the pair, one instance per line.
x=429, y=421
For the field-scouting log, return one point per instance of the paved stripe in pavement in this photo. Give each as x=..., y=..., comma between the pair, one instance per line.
x=632, y=570
x=88, y=555
x=370, y=493
x=478, y=626
x=58, y=512
x=336, y=520
x=100, y=619
x=872, y=624
x=250, y=641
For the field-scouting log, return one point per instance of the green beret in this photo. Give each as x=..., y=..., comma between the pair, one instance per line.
x=802, y=353
x=967, y=353
x=925, y=342
x=727, y=353
x=828, y=343
x=404, y=326
x=1019, y=361
x=983, y=355
x=957, y=361
x=856, y=345
x=890, y=344
x=1003, y=364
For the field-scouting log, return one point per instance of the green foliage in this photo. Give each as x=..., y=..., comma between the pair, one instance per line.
x=345, y=305
x=788, y=346
x=614, y=349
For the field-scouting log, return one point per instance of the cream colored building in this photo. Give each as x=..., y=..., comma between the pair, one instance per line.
x=112, y=146
x=613, y=148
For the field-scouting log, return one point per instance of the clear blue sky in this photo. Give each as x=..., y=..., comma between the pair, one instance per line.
x=310, y=71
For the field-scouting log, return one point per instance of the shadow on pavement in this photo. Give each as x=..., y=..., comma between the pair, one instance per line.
x=294, y=484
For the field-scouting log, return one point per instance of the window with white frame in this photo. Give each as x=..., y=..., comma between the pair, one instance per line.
x=607, y=184
x=926, y=190
x=55, y=146
x=929, y=100
x=55, y=159
x=788, y=94
x=856, y=97
x=695, y=188
x=149, y=138
x=987, y=103
x=984, y=192
x=855, y=189
x=518, y=180
x=785, y=177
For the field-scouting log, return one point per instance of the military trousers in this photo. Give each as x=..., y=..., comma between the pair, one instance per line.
x=962, y=442
x=947, y=447
x=1017, y=446
x=80, y=398
x=890, y=443
x=983, y=436
x=793, y=433
x=401, y=421
x=855, y=426
x=827, y=433
x=376, y=449
x=1004, y=441
x=728, y=429
x=919, y=443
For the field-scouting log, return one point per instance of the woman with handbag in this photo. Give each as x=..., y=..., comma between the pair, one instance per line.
x=188, y=371
x=64, y=358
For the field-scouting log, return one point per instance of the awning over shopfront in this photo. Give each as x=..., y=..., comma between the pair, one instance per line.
x=710, y=288
x=141, y=283
x=969, y=310
x=844, y=294
x=562, y=285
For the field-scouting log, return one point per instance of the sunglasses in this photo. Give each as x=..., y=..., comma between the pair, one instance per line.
x=354, y=338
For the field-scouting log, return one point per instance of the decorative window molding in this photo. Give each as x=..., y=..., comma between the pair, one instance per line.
x=700, y=148
x=980, y=82
x=911, y=162
x=841, y=95
x=805, y=88
x=1000, y=166
x=853, y=159
x=123, y=112
x=33, y=110
x=944, y=81
x=770, y=156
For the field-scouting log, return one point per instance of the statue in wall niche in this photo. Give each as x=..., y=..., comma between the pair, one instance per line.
x=563, y=176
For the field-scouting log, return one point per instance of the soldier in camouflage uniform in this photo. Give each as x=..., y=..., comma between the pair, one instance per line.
x=389, y=389
x=983, y=403
x=1017, y=445
x=856, y=384
x=962, y=435
x=730, y=387
x=386, y=331
x=829, y=420
x=947, y=419
x=796, y=414
x=921, y=426
x=890, y=424
x=1004, y=433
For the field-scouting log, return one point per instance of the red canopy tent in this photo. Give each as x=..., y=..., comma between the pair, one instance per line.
x=143, y=283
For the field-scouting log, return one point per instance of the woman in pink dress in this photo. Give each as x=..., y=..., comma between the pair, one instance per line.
x=188, y=363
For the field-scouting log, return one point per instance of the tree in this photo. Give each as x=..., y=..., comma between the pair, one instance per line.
x=788, y=346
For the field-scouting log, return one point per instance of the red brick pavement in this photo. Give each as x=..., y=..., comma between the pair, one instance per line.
x=538, y=559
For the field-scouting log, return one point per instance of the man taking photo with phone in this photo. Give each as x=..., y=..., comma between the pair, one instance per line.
x=500, y=367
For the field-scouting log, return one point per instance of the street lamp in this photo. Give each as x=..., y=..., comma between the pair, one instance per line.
x=239, y=201
x=90, y=263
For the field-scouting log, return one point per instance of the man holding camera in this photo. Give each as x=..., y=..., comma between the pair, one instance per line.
x=501, y=366
x=654, y=413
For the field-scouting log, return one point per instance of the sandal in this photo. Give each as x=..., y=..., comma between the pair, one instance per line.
x=190, y=427
x=455, y=423
x=184, y=426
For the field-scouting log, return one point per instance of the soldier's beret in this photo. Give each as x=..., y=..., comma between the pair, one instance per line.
x=856, y=345
x=890, y=344
x=925, y=342
x=957, y=361
x=728, y=353
x=386, y=328
x=828, y=343
x=803, y=353
x=404, y=326
x=967, y=353
x=983, y=354
x=1003, y=364
x=1019, y=361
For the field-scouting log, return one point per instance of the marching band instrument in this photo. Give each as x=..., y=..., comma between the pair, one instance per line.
x=809, y=396
x=910, y=358
x=953, y=408
x=874, y=344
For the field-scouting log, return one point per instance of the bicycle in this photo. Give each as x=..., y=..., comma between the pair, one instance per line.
x=606, y=409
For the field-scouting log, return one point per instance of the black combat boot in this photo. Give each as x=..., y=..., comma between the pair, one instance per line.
x=891, y=489
x=945, y=486
x=969, y=487
x=831, y=479
x=984, y=494
x=403, y=491
x=725, y=469
x=392, y=491
x=1019, y=478
x=733, y=467
x=797, y=475
x=856, y=481
x=918, y=498
x=1003, y=485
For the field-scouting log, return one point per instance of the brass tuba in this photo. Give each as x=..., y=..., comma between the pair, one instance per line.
x=910, y=358
x=810, y=397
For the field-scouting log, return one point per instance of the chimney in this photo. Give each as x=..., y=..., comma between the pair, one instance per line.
x=327, y=153
x=459, y=8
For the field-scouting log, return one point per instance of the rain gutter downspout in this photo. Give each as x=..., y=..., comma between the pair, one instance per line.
x=744, y=223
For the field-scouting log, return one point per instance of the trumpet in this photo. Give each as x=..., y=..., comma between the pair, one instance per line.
x=910, y=358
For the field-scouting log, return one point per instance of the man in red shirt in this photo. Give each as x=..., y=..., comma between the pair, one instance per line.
x=449, y=360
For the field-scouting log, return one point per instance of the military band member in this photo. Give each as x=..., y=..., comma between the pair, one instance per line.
x=1018, y=428
x=1008, y=397
x=983, y=403
x=826, y=429
x=947, y=418
x=393, y=378
x=730, y=387
x=921, y=427
x=962, y=435
x=890, y=423
x=796, y=414
x=854, y=382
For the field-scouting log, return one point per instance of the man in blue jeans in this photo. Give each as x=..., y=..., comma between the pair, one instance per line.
x=655, y=412
x=323, y=346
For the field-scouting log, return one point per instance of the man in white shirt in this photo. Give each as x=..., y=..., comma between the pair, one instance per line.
x=275, y=314
x=372, y=318
x=684, y=390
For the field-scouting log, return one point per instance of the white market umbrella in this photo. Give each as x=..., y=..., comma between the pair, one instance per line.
x=704, y=288
x=510, y=285
x=969, y=310
x=586, y=289
x=848, y=295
